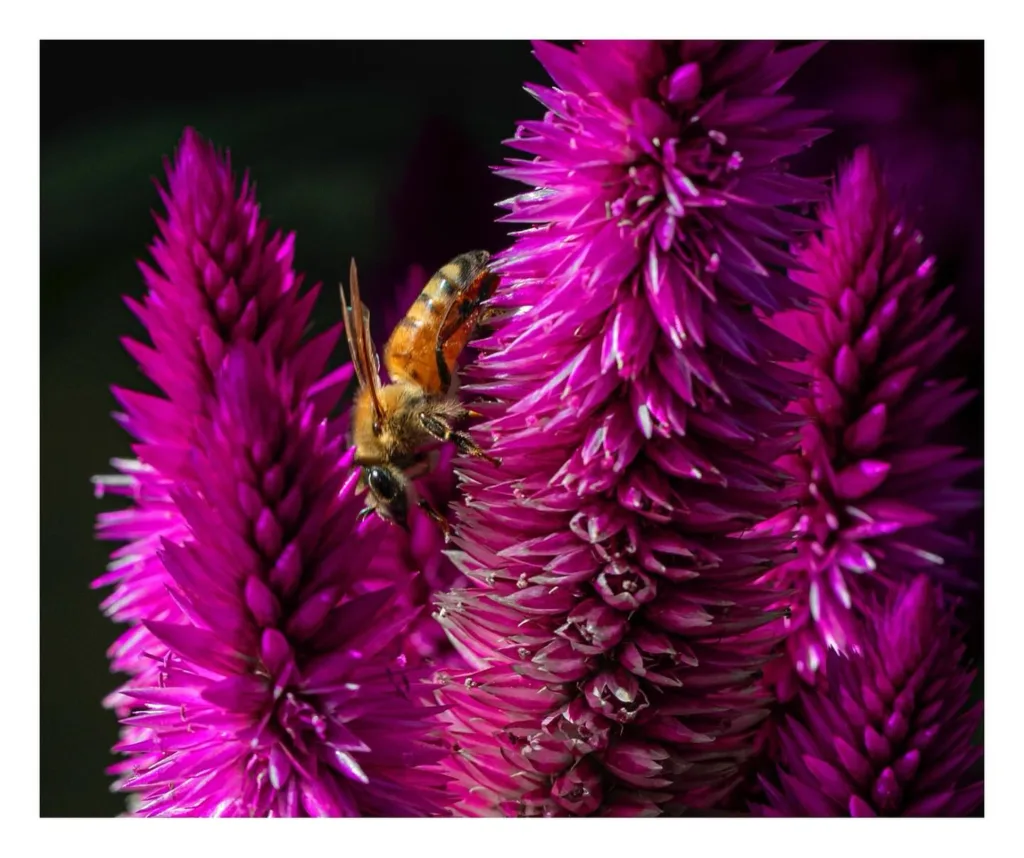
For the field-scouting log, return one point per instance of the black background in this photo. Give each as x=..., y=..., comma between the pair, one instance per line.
x=379, y=150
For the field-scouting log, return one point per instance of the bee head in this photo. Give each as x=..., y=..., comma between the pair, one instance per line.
x=389, y=488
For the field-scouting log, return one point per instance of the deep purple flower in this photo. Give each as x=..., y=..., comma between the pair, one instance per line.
x=633, y=400
x=891, y=733
x=879, y=495
x=280, y=694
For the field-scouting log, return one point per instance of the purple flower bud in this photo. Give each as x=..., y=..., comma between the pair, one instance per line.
x=639, y=763
x=625, y=587
x=593, y=627
x=684, y=84
x=579, y=790
x=616, y=695
x=580, y=727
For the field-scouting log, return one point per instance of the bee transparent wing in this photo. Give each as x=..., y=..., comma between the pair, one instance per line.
x=371, y=349
x=350, y=336
x=360, y=345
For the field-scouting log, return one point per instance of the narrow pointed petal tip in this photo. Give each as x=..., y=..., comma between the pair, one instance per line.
x=615, y=625
x=891, y=732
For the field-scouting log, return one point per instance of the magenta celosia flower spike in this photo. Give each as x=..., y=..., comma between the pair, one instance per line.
x=268, y=673
x=219, y=279
x=636, y=407
x=879, y=496
x=891, y=734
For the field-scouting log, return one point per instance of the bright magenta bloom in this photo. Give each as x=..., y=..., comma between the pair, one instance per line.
x=219, y=280
x=279, y=695
x=633, y=401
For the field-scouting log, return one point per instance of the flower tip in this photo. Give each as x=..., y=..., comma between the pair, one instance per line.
x=918, y=602
x=864, y=168
x=192, y=144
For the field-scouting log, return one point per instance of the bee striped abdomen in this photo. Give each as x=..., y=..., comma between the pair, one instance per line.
x=426, y=301
x=425, y=345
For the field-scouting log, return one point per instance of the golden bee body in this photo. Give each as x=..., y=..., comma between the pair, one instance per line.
x=393, y=424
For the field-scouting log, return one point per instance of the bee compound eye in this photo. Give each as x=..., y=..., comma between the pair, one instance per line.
x=383, y=483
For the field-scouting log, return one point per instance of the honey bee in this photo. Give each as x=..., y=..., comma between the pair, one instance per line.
x=393, y=423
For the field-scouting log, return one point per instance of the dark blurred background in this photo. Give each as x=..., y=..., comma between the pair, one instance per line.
x=379, y=150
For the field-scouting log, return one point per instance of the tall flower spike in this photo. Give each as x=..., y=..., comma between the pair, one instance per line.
x=218, y=280
x=891, y=735
x=637, y=412
x=280, y=694
x=879, y=497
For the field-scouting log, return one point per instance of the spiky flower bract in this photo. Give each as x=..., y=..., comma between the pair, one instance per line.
x=634, y=400
x=879, y=496
x=891, y=734
x=280, y=694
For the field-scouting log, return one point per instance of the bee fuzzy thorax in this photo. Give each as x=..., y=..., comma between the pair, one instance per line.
x=425, y=345
x=393, y=433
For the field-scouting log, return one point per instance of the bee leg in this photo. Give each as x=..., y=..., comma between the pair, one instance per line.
x=367, y=511
x=466, y=444
x=443, y=373
x=489, y=314
x=441, y=521
x=436, y=426
x=440, y=429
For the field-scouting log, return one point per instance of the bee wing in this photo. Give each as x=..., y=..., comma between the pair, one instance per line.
x=360, y=344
